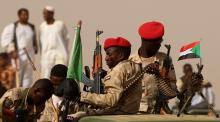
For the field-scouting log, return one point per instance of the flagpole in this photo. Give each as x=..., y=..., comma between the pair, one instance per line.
x=200, y=61
x=200, y=52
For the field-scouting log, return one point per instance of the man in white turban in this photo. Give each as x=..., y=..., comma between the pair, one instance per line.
x=53, y=41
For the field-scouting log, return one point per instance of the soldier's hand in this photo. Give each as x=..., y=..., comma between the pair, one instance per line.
x=103, y=73
x=153, y=68
x=197, y=78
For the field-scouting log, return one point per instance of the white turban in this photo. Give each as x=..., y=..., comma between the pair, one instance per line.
x=49, y=8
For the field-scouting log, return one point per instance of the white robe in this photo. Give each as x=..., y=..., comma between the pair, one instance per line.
x=54, y=40
x=207, y=92
x=24, y=35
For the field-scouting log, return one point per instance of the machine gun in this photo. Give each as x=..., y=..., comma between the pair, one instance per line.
x=161, y=104
x=196, y=85
x=97, y=66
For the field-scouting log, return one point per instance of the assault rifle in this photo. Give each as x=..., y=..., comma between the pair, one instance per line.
x=97, y=66
x=166, y=63
x=161, y=106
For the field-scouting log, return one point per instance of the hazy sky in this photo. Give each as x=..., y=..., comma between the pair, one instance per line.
x=185, y=21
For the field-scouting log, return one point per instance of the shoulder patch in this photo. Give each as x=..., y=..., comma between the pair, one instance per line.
x=8, y=103
x=107, y=78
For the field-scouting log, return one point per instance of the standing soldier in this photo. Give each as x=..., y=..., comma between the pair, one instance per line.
x=16, y=36
x=53, y=41
x=151, y=38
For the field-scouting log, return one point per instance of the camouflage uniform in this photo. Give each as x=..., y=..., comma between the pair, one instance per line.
x=149, y=86
x=15, y=98
x=51, y=112
x=115, y=100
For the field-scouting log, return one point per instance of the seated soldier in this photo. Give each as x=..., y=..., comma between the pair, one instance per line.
x=7, y=73
x=196, y=103
x=57, y=76
x=25, y=105
x=118, y=97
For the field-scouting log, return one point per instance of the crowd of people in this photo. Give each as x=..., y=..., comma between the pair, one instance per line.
x=131, y=86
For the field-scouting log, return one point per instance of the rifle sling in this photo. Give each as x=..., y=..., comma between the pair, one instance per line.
x=15, y=37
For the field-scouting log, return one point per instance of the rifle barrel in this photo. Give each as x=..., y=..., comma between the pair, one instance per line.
x=168, y=49
x=184, y=106
x=31, y=62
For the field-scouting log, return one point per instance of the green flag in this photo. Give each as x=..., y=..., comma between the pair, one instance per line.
x=75, y=61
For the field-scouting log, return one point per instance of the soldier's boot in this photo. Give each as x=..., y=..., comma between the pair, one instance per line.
x=150, y=110
x=159, y=103
x=156, y=110
x=157, y=107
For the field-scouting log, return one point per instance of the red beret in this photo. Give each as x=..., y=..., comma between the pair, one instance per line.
x=119, y=41
x=151, y=30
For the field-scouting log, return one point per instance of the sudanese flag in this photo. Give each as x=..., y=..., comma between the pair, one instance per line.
x=191, y=50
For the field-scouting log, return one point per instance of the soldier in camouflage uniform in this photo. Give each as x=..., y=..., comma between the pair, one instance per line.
x=151, y=35
x=116, y=99
x=25, y=105
x=51, y=112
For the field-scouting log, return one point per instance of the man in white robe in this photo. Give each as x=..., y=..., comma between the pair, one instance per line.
x=53, y=42
x=24, y=34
